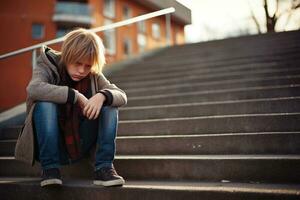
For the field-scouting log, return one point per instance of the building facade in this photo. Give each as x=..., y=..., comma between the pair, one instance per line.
x=24, y=23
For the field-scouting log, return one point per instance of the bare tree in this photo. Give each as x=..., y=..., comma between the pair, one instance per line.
x=271, y=19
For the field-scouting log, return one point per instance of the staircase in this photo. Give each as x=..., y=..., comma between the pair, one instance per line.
x=214, y=120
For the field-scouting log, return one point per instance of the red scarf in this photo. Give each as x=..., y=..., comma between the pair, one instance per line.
x=70, y=115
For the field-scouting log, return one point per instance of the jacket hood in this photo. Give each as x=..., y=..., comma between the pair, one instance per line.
x=50, y=57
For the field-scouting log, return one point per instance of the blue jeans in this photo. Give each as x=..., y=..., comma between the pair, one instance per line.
x=51, y=152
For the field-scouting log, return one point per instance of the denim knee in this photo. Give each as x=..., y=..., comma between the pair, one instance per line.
x=46, y=112
x=46, y=106
x=109, y=112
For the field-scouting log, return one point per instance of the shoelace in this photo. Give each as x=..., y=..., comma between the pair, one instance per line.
x=51, y=172
x=110, y=171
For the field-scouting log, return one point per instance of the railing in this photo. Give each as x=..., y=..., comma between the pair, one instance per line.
x=33, y=48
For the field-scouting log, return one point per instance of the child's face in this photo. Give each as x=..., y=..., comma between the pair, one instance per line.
x=79, y=70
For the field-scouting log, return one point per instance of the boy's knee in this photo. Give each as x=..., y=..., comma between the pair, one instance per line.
x=45, y=105
x=109, y=111
x=45, y=117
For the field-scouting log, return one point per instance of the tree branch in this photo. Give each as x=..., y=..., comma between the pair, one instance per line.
x=254, y=18
x=295, y=4
x=266, y=8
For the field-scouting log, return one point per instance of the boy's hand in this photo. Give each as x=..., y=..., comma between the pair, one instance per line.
x=82, y=100
x=93, y=106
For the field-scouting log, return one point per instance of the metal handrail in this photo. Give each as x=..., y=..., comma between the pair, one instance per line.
x=97, y=29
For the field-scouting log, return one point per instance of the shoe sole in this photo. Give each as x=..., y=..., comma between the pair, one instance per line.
x=54, y=181
x=117, y=182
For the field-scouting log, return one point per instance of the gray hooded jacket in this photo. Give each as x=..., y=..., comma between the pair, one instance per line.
x=44, y=87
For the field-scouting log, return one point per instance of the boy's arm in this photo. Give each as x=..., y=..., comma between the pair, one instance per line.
x=114, y=95
x=40, y=88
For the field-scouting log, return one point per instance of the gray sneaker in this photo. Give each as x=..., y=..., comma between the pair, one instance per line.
x=107, y=176
x=51, y=177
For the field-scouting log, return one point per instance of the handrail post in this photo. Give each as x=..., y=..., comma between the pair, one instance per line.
x=33, y=59
x=168, y=29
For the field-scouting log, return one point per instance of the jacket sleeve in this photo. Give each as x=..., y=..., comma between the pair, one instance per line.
x=114, y=95
x=40, y=88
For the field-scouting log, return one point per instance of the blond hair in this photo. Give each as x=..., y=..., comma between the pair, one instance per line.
x=83, y=44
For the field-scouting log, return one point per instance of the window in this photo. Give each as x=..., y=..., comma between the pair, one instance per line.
x=109, y=39
x=142, y=42
x=127, y=46
x=141, y=36
x=62, y=31
x=37, y=31
x=126, y=12
x=109, y=8
x=141, y=26
x=156, y=30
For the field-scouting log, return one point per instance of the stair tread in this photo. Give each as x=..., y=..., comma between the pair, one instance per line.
x=210, y=117
x=188, y=136
x=199, y=157
x=182, y=94
x=224, y=186
x=203, y=117
x=211, y=103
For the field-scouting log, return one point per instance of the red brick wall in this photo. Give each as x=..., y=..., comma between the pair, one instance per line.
x=16, y=19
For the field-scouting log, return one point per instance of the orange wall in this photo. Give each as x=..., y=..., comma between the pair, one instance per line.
x=17, y=17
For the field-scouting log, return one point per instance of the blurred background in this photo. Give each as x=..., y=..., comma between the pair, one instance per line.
x=216, y=19
x=25, y=23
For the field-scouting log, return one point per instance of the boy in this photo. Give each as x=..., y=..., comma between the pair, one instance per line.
x=71, y=108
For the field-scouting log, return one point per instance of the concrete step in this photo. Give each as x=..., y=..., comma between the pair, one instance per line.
x=212, y=124
x=254, y=47
x=7, y=147
x=10, y=133
x=210, y=77
x=204, y=73
x=242, y=123
x=233, y=50
x=135, y=69
x=209, y=56
x=239, y=43
x=214, y=85
x=164, y=67
x=203, y=61
x=210, y=144
x=12, y=188
x=215, y=168
x=235, y=168
x=217, y=95
x=225, y=56
x=229, y=52
x=196, y=69
x=248, y=106
x=230, y=143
